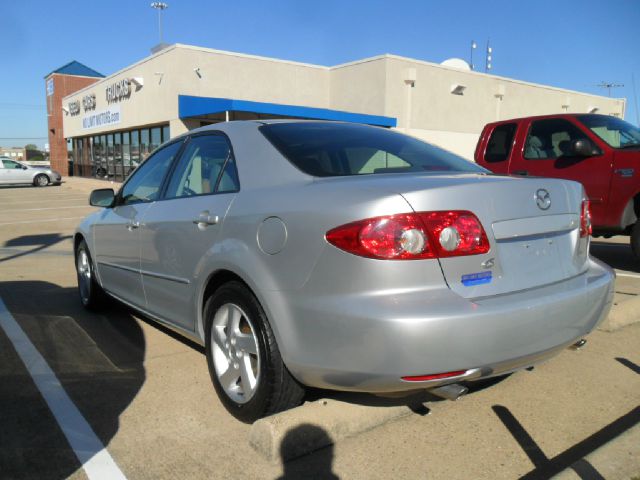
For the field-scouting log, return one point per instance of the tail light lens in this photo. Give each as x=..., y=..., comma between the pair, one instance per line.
x=585, y=219
x=413, y=236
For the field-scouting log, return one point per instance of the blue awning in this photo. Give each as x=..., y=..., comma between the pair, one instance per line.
x=190, y=106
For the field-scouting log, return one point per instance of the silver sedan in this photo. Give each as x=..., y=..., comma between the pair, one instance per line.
x=16, y=173
x=343, y=256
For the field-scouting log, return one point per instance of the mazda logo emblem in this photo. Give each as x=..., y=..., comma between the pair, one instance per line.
x=543, y=199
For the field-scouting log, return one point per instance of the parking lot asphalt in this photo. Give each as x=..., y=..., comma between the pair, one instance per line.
x=146, y=397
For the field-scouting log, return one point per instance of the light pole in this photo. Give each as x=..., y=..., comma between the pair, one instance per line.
x=487, y=65
x=160, y=6
x=474, y=45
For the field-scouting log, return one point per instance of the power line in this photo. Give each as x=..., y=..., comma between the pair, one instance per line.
x=22, y=105
x=24, y=138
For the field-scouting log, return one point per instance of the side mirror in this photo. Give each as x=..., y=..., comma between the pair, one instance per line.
x=583, y=148
x=24, y=167
x=103, y=197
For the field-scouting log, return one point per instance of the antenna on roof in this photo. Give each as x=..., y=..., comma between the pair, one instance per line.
x=609, y=86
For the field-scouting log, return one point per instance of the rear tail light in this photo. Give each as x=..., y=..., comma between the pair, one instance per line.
x=585, y=219
x=413, y=236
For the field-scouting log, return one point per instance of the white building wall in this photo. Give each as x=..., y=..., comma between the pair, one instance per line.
x=377, y=86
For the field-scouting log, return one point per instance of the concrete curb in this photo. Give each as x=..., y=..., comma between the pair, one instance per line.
x=315, y=425
x=611, y=460
x=621, y=315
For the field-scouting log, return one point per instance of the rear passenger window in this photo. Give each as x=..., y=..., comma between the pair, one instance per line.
x=206, y=167
x=551, y=138
x=500, y=143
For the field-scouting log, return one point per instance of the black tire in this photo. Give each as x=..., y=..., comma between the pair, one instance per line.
x=92, y=295
x=275, y=389
x=41, y=180
x=635, y=240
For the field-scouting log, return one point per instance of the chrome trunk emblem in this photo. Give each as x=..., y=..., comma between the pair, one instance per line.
x=543, y=199
x=488, y=263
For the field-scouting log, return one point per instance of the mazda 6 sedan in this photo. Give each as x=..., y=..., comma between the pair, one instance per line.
x=343, y=256
x=15, y=173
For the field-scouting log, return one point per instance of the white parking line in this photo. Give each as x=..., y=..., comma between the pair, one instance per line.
x=40, y=221
x=94, y=457
x=47, y=201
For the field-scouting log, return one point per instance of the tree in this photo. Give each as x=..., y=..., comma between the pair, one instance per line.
x=31, y=146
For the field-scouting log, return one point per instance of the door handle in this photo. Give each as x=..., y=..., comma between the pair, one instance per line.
x=205, y=219
x=624, y=172
x=133, y=225
x=524, y=173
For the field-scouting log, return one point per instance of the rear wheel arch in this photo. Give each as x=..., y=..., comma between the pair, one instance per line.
x=77, y=238
x=276, y=390
x=631, y=213
x=216, y=280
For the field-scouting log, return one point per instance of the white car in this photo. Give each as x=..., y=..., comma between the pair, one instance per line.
x=13, y=172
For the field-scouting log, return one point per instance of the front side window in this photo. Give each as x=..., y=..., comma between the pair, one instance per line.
x=145, y=183
x=325, y=149
x=11, y=164
x=615, y=132
x=551, y=138
x=205, y=167
x=500, y=143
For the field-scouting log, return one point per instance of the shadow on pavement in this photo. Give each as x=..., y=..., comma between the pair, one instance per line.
x=36, y=242
x=616, y=255
x=573, y=457
x=629, y=364
x=308, y=467
x=98, y=359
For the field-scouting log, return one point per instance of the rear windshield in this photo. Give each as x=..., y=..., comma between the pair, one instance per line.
x=325, y=149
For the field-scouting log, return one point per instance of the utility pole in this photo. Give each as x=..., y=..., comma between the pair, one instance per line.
x=160, y=6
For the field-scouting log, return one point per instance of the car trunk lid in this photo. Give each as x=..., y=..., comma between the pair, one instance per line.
x=533, y=226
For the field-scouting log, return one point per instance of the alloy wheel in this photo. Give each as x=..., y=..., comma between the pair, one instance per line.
x=236, y=353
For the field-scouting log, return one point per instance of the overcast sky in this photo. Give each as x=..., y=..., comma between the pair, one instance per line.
x=567, y=44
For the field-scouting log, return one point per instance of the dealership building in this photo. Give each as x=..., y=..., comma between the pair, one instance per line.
x=109, y=124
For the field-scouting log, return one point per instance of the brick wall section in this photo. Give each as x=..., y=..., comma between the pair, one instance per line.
x=63, y=85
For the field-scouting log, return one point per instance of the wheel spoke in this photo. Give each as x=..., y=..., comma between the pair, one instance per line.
x=246, y=374
x=235, y=315
x=217, y=335
x=246, y=342
x=229, y=378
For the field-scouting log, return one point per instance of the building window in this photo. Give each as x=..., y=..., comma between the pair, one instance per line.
x=135, y=148
x=144, y=144
x=156, y=138
x=116, y=155
x=118, y=168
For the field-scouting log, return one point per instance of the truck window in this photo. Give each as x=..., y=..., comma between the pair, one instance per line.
x=617, y=133
x=500, y=143
x=551, y=138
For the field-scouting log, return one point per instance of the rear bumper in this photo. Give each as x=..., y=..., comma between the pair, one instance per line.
x=367, y=342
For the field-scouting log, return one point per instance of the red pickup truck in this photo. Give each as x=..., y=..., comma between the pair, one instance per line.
x=601, y=152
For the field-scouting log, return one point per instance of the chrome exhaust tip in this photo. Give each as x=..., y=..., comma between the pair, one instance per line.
x=579, y=344
x=449, y=392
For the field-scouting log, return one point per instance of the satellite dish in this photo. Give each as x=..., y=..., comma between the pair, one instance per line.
x=457, y=63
